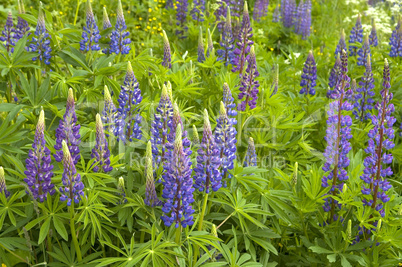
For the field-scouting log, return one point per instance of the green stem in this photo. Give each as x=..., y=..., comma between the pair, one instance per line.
x=73, y=233
x=178, y=235
x=204, y=206
x=76, y=11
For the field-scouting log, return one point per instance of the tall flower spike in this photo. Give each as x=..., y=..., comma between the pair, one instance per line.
x=244, y=43
x=201, y=49
x=207, y=174
x=335, y=74
x=381, y=135
x=363, y=99
x=22, y=25
x=356, y=36
x=276, y=17
x=90, y=35
x=249, y=85
x=101, y=152
x=128, y=114
x=396, y=41
x=181, y=16
x=373, y=35
x=108, y=113
x=178, y=187
x=229, y=103
x=225, y=137
x=364, y=52
x=3, y=187
x=251, y=156
x=9, y=34
x=341, y=45
x=221, y=13
x=306, y=20
x=177, y=122
x=287, y=10
x=196, y=137
x=119, y=40
x=151, y=199
x=160, y=126
x=68, y=130
x=72, y=184
x=198, y=10
x=167, y=58
x=41, y=42
x=106, y=22
x=39, y=165
x=225, y=54
x=309, y=76
x=210, y=46
x=260, y=9
x=169, y=4
x=299, y=17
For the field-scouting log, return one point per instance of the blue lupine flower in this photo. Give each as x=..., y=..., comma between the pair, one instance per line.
x=373, y=35
x=244, y=43
x=39, y=165
x=3, y=187
x=305, y=23
x=299, y=17
x=341, y=45
x=287, y=12
x=108, y=113
x=119, y=40
x=356, y=36
x=177, y=122
x=22, y=25
x=396, y=41
x=251, y=156
x=101, y=152
x=225, y=138
x=128, y=117
x=207, y=174
x=201, y=49
x=68, y=131
x=221, y=13
x=167, y=58
x=335, y=74
x=309, y=76
x=178, y=187
x=276, y=17
x=260, y=9
x=198, y=10
x=249, y=85
x=229, y=103
x=9, y=34
x=381, y=136
x=169, y=4
x=364, y=95
x=105, y=21
x=72, y=184
x=41, y=43
x=225, y=54
x=181, y=16
x=364, y=52
x=151, y=199
x=90, y=35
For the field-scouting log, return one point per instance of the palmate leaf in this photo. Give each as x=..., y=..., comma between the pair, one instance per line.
x=9, y=207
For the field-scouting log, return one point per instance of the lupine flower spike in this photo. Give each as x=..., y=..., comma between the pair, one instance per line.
x=373, y=35
x=90, y=35
x=151, y=199
x=177, y=122
x=9, y=34
x=229, y=103
x=167, y=58
x=375, y=173
x=221, y=13
x=106, y=22
x=251, y=156
x=363, y=98
x=3, y=187
x=196, y=137
x=225, y=54
x=119, y=40
x=364, y=52
x=249, y=84
x=207, y=174
x=197, y=12
x=22, y=25
x=356, y=36
x=396, y=41
x=341, y=45
x=201, y=49
x=128, y=114
x=309, y=76
x=260, y=9
x=305, y=21
x=72, y=184
x=276, y=17
x=39, y=165
x=335, y=74
x=122, y=190
x=68, y=131
x=178, y=187
x=338, y=134
x=287, y=12
x=101, y=152
x=210, y=44
x=181, y=15
x=108, y=113
x=41, y=42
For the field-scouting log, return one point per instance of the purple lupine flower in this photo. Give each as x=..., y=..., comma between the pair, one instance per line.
x=244, y=42
x=229, y=103
x=210, y=44
x=299, y=17
x=225, y=54
x=236, y=7
x=221, y=13
x=225, y=138
x=201, y=49
x=169, y=4
x=68, y=130
x=108, y=113
x=363, y=52
x=287, y=12
x=373, y=35
x=101, y=152
x=160, y=126
x=309, y=76
x=178, y=187
x=276, y=17
x=167, y=58
x=198, y=10
x=275, y=82
x=251, y=156
x=22, y=25
x=119, y=40
x=9, y=34
x=381, y=137
x=151, y=199
x=396, y=41
x=356, y=36
x=90, y=35
x=364, y=95
x=3, y=187
x=338, y=134
x=128, y=117
x=207, y=174
x=39, y=165
x=177, y=122
x=341, y=45
x=41, y=43
x=105, y=21
x=249, y=85
x=72, y=184
x=335, y=74
x=260, y=9
x=306, y=20
x=181, y=16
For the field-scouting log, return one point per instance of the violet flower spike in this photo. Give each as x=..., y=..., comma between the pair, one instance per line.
x=201, y=49
x=167, y=58
x=373, y=35
x=22, y=25
x=181, y=16
x=41, y=42
x=251, y=156
x=39, y=165
x=108, y=113
x=151, y=199
x=225, y=54
x=363, y=99
x=197, y=13
x=341, y=45
x=309, y=76
x=334, y=75
x=9, y=34
x=396, y=41
x=260, y=9
x=276, y=17
x=106, y=25
x=119, y=40
x=364, y=52
x=356, y=36
x=229, y=103
x=90, y=34
x=3, y=187
x=101, y=152
x=176, y=122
